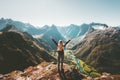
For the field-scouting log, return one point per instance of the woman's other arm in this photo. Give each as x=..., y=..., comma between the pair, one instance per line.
x=53, y=40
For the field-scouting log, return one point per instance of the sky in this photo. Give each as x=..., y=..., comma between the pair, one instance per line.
x=61, y=12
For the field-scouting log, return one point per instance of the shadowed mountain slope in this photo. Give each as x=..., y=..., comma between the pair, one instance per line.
x=18, y=51
x=101, y=49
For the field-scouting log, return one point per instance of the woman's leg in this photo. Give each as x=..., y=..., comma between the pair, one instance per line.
x=62, y=60
x=58, y=60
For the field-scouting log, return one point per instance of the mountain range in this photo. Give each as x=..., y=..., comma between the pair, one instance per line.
x=59, y=33
x=95, y=43
x=24, y=27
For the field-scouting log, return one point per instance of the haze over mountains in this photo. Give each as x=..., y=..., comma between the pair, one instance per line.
x=95, y=43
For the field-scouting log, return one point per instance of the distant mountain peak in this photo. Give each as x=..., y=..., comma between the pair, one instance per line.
x=53, y=27
x=45, y=26
x=99, y=24
x=73, y=25
x=9, y=27
x=84, y=24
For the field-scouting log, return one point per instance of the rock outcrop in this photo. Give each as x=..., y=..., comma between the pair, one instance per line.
x=48, y=71
x=44, y=71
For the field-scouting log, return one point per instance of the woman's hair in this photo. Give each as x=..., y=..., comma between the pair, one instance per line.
x=60, y=41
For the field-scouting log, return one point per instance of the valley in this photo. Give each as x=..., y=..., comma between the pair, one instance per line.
x=94, y=49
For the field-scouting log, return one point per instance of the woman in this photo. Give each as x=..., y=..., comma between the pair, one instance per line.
x=60, y=49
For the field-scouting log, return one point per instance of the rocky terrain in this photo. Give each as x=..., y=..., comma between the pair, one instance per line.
x=43, y=71
x=48, y=71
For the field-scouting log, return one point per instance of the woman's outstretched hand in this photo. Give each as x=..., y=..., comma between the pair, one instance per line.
x=70, y=39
